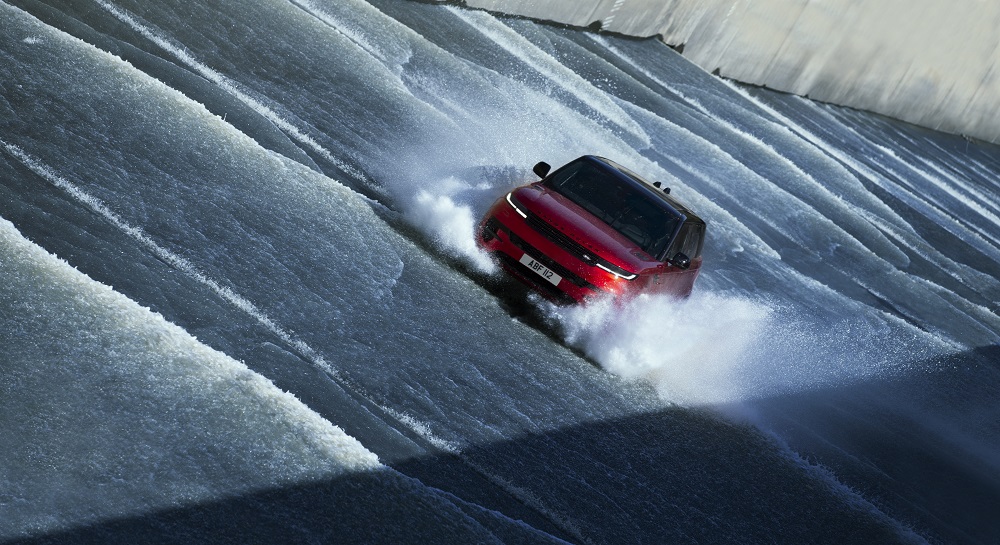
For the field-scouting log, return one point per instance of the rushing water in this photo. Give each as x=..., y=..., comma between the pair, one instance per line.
x=241, y=297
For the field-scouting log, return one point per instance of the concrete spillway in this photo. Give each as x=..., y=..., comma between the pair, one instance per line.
x=926, y=62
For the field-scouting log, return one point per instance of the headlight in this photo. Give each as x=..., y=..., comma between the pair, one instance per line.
x=512, y=200
x=617, y=271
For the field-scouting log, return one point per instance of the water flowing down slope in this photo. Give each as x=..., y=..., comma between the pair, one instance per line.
x=295, y=185
x=113, y=413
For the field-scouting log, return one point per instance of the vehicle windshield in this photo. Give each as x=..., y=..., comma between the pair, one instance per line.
x=628, y=209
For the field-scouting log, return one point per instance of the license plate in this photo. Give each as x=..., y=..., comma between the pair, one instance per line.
x=540, y=269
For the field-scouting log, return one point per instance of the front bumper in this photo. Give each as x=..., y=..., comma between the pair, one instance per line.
x=508, y=237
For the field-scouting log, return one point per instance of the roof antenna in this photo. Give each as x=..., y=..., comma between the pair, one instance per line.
x=666, y=190
x=656, y=184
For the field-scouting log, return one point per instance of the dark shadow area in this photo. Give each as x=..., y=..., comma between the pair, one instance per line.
x=924, y=447
x=680, y=476
x=675, y=476
x=376, y=507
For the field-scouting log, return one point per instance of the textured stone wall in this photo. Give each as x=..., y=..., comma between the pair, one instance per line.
x=929, y=62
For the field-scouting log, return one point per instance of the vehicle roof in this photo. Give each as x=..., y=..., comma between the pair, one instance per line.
x=632, y=178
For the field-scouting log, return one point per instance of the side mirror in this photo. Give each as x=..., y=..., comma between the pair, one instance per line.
x=542, y=169
x=680, y=260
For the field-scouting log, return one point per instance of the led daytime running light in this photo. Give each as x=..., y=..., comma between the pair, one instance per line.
x=618, y=274
x=510, y=201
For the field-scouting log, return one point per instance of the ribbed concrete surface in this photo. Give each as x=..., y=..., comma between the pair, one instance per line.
x=928, y=62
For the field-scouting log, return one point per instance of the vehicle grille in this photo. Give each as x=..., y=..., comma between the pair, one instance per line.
x=555, y=267
x=558, y=237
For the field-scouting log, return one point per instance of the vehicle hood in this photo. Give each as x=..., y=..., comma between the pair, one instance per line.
x=583, y=227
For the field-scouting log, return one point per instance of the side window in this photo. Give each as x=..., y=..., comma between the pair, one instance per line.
x=690, y=240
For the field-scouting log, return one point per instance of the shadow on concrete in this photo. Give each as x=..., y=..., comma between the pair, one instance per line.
x=674, y=476
x=924, y=447
x=374, y=507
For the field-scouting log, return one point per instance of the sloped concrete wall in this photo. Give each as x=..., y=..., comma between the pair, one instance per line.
x=929, y=62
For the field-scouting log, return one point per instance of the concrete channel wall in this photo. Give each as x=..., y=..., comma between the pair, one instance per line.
x=930, y=62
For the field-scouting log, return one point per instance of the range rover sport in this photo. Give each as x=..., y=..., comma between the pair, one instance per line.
x=593, y=227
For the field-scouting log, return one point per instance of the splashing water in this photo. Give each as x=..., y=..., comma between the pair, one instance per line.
x=722, y=350
x=450, y=225
x=689, y=349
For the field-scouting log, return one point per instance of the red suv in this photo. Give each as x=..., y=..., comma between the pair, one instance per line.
x=593, y=227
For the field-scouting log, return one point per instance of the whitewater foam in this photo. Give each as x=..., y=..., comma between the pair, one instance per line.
x=449, y=223
x=716, y=349
x=688, y=349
